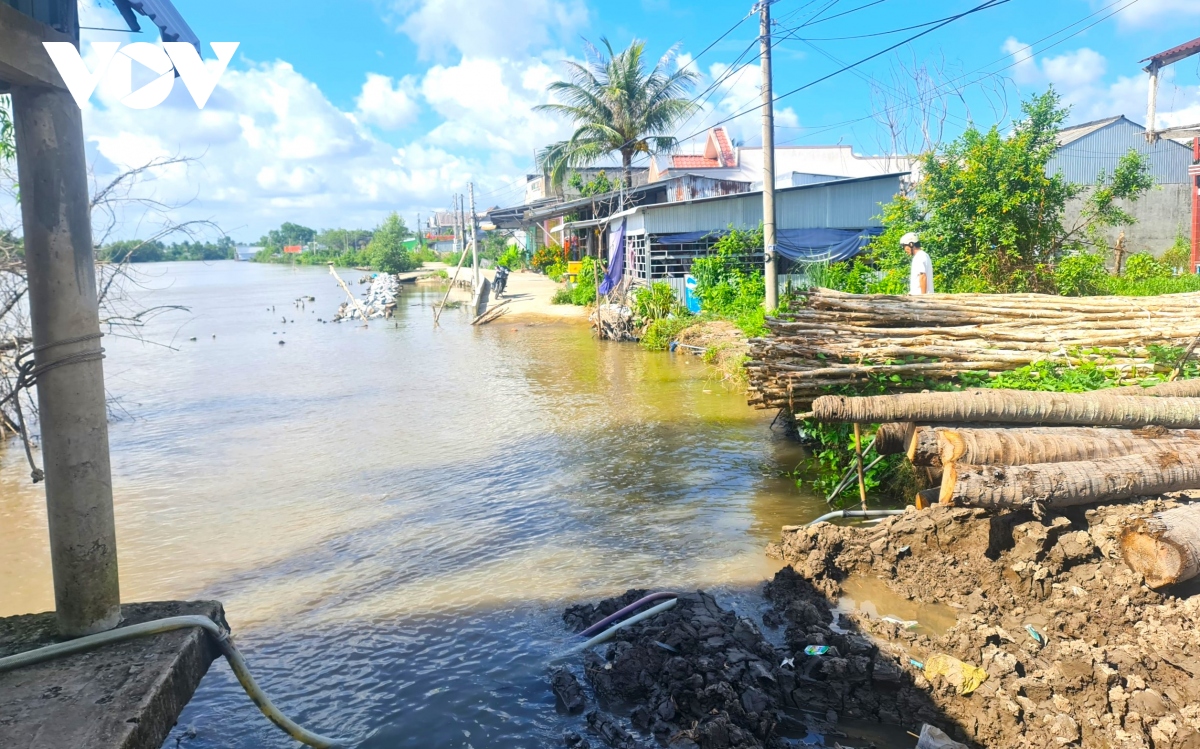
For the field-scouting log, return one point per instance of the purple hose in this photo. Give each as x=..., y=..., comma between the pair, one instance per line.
x=627, y=610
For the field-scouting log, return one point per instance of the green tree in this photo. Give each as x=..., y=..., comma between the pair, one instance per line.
x=342, y=240
x=618, y=106
x=8, y=143
x=386, y=250
x=598, y=185
x=992, y=218
x=133, y=251
x=288, y=234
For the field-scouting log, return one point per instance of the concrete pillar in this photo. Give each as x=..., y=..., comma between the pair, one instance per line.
x=63, y=306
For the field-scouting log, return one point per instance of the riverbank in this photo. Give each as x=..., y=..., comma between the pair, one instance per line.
x=1076, y=649
x=1002, y=631
x=410, y=585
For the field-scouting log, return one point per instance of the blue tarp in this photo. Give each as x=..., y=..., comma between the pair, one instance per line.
x=800, y=245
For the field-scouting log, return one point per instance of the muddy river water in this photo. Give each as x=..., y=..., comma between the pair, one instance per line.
x=394, y=516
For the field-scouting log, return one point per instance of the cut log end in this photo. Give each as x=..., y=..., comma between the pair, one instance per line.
x=949, y=479
x=1164, y=548
x=892, y=438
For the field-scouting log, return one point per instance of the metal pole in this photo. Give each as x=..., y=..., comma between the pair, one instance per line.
x=64, y=309
x=768, y=124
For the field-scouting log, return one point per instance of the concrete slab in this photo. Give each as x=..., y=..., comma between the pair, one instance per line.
x=122, y=696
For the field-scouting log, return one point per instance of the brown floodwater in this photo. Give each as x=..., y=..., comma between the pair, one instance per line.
x=394, y=516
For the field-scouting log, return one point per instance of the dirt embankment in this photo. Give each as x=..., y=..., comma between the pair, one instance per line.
x=1077, y=650
x=725, y=346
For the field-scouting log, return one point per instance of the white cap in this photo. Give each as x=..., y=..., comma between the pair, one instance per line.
x=910, y=238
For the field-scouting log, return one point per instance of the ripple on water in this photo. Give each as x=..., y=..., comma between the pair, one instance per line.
x=394, y=516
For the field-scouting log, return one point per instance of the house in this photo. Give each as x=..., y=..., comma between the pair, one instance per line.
x=1087, y=150
x=246, y=252
x=821, y=222
x=720, y=158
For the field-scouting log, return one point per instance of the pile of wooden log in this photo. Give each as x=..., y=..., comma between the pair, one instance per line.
x=1005, y=449
x=828, y=339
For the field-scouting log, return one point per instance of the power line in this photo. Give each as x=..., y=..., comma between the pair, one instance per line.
x=992, y=74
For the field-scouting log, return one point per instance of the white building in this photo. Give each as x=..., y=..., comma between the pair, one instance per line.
x=794, y=165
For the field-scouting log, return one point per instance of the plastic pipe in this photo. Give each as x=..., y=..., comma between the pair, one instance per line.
x=627, y=610
x=607, y=634
x=159, y=626
x=856, y=514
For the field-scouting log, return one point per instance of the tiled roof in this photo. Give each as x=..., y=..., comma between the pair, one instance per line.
x=693, y=162
x=723, y=142
x=1176, y=54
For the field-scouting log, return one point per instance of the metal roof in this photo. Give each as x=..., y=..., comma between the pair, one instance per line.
x=169, y=21
x=1075, y=132
x=1175, y=54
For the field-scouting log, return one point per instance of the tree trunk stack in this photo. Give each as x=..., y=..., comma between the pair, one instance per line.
x=828, y=339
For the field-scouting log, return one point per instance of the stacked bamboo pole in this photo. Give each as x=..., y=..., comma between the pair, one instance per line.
x=829, y=339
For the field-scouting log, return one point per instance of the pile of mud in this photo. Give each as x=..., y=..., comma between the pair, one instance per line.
x=694, y=676
x=1077, y=651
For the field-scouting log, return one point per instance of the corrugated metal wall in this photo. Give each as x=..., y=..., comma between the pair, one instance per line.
x=847, y=204
x=1082, y=161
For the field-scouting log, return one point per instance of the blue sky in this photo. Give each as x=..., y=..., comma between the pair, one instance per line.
x=334, y=113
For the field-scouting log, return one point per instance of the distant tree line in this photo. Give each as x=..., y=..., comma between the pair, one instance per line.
x=387, y=248
x=140, y=251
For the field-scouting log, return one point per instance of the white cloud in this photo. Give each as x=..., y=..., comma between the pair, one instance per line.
x=387, y=103
x=1146, y=12
x=489, y=28
x=1072, y=70
x=1025, y=69
x=1079, y=77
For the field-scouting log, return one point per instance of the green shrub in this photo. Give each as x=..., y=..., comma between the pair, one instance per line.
x=512, y=258
x=546, y=257
x=729, y=284
x=1082, y=274
x=556, y=271
x=1142, y=266
x=655, y=303
x=660, y=333
x=583, y=291
x=1179, y=257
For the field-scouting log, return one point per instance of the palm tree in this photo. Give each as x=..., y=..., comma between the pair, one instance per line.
x=617, y=106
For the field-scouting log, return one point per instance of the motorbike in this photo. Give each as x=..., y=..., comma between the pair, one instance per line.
x=501, y=281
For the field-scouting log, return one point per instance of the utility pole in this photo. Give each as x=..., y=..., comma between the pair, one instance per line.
x=454, y=222
x=64, y=310
x=768, y=124
x=474, y=237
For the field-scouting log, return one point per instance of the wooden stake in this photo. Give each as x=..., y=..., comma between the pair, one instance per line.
x=862, y=481
x=361, y=310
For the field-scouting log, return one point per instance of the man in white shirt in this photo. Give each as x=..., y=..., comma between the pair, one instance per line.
x=920, y=277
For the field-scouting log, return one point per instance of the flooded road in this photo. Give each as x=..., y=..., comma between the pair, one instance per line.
x=394, y=516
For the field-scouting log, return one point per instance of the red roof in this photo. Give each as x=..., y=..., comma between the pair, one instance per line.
x=1176, y=54
x=723, y=142
x=694, y=162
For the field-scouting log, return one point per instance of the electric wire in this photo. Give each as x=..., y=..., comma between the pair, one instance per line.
x=992, y=74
